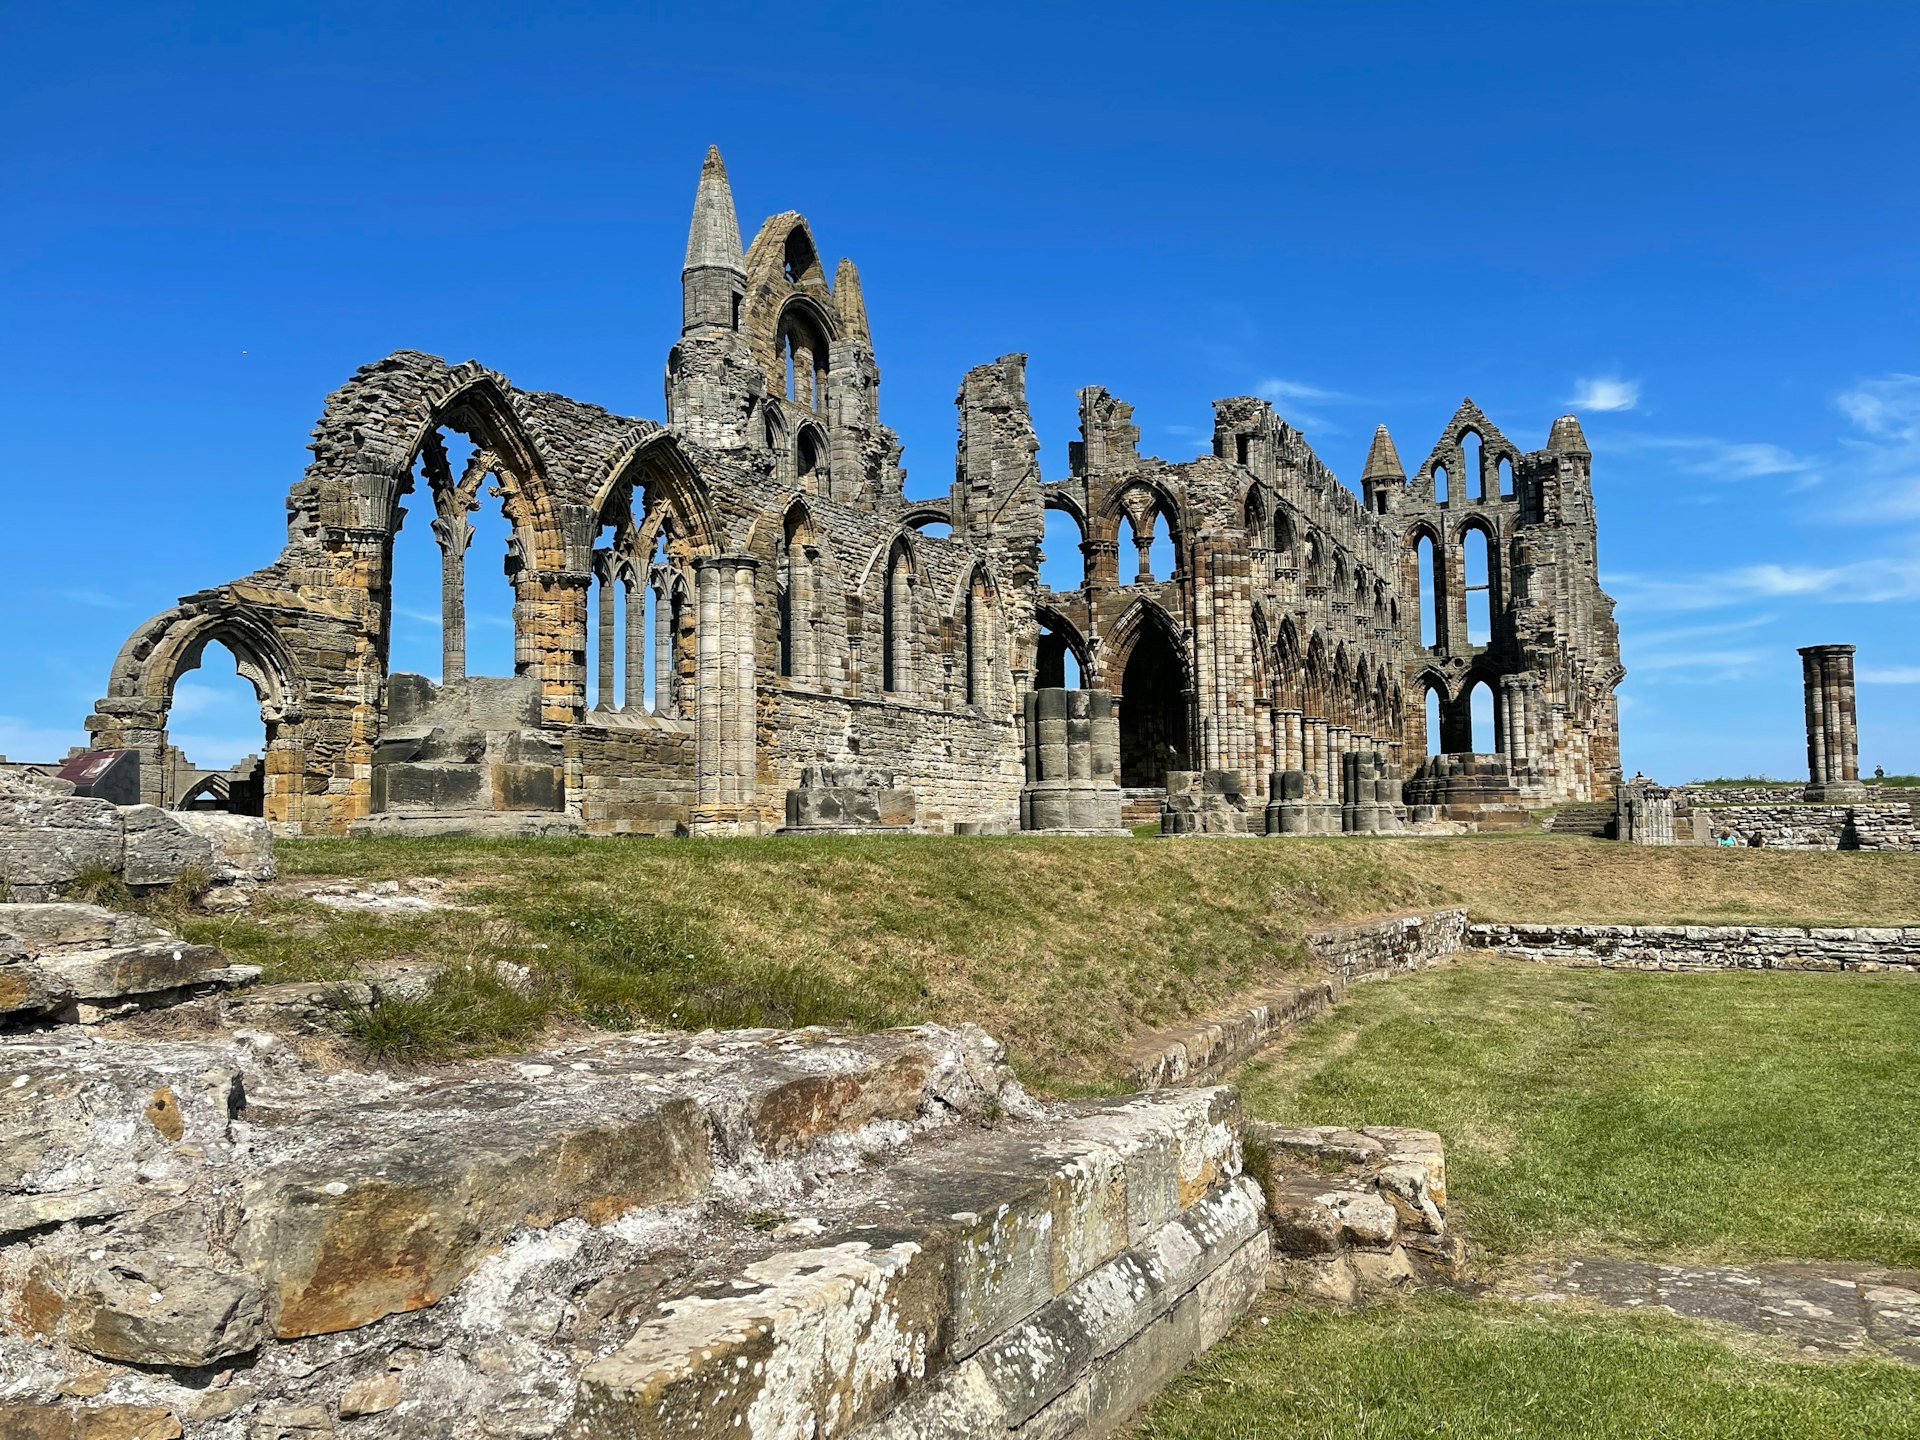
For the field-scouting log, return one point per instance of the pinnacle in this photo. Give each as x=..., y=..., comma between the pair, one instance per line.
x=1383, y=461
x=852, y=302
x=713, y=241
x=1567, y=437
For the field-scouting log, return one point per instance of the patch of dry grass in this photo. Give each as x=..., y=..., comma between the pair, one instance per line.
x=1572, y=879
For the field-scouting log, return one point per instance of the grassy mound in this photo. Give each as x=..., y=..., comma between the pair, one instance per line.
x=1067, y=948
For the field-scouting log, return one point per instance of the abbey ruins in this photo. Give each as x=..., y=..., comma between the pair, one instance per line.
x=730, y=620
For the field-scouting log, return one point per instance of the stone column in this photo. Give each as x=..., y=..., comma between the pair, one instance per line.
x=453, y=532
x=665, y=681
x=634, y=701
x=1833, y=743
x=1073, y=763
x=604, y=658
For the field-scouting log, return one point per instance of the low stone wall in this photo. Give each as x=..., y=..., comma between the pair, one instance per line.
x=1393, y=945
x=1817, y=827
x=1706, y=947
x=1366, y=950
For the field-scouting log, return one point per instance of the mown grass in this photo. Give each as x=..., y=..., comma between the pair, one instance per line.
x=1440, y=1365
x=1067, y=950
x=1731, y=1117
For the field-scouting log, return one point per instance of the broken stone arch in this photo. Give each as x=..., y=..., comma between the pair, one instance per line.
x=135, y=711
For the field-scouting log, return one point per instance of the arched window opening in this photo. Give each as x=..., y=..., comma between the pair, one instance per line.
x=216, y=736
x=1473, y=478
x=805, y=350
x=1316, y=562
x=938, y=529
x=1479, y=556
x=1063, y=558
x=1153, y=711
x=809, y=457
x=798, y=257
x=1340, y=581
x=1433, y=722
x=1255, y=519
x=897, y=623
x=610, y=621
x=1142, y=541
x=1360, y=591
x=1283, y=536
x=981, y=646
x=1440, y=484
x=1506, y=477
x=798, y=585
x=1483, y=737
x=452, y=569
x=1162, y=559
x=1056, y=666
x=1429, y=594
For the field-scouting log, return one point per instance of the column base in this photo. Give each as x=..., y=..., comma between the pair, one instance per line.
x=1303, y=817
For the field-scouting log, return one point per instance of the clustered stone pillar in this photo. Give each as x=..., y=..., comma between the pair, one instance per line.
x=1370, y=794
x=1073, y=763
x=1833, y=740
x=1517, y=724
x=725, y=722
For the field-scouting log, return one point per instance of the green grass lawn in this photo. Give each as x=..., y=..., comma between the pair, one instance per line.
x=1440, y=1365
x=1733, y=1117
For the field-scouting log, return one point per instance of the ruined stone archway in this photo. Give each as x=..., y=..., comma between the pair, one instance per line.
x=134, y=714
x=1154, y=723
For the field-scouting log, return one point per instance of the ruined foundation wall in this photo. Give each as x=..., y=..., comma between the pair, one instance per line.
x=1707, y=947
x=1817, y=827
x=960, y=765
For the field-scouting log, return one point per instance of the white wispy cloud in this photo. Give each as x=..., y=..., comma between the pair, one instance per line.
x=1276, y=390
x=1605, y=392
x=1726, y=460
x=1883, y=459
x=1302, y=405
x=1889, y=675
x=1871, y=581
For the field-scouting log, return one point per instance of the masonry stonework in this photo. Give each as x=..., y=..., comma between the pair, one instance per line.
x=707, y=608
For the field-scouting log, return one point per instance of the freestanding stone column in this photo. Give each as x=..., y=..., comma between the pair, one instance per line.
x=1833, y=741
x=1073, y=763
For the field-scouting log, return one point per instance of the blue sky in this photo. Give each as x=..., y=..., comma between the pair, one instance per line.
x=1695, y=225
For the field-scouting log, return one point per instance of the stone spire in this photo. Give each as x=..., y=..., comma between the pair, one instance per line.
x=853, y=304
x=1567, y=438
x=1383, y=461
x=714, y=241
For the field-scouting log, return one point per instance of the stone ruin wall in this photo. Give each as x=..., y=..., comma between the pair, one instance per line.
x=817, y=623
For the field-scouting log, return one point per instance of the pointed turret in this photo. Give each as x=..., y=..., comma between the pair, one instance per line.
x=853, y=304
x=1383, y=461
x=714, y=279
x=1567, y=438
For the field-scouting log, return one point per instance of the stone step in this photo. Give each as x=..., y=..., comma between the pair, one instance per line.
x=1010, y=1265
x=85, y=962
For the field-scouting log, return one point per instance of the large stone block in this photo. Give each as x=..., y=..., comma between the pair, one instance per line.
x=805, y=1345
x=159, y=849
x=52, y=955
x=48, y=839
x=144, y=1306
x=28, y=1420
x=242, y=844
x=391, y=1217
